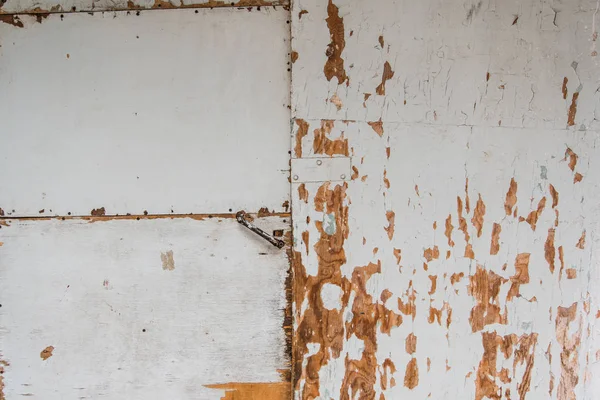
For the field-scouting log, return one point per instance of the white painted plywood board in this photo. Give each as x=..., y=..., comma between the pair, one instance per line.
x=172, y=111
x=139, y=309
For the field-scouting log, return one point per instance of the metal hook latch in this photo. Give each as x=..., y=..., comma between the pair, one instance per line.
x=241, y=218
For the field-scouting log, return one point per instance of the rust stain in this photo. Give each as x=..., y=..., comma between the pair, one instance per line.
x=485, y=288
x=98, y=212
x=549, y=250
x=303, y=193
x=411, y=377
x=354, y=173
x=571, y=273
x=478, y=215
x=377, y=127
x=387, y=152
x=390, y=216
x=387, y=74
x=448, y=231
x=570, y=154
x=572, y=110
x=323, y=145
x=533, y=216
x=334, y=66
x=1, y=212
x=569, y=356
x=386, y=181
x=47, y=352
x=430, y=254
x=577, y=178
x=294, y=56
x=581, y=242
x=302, y=131
x=410, y=343
x=168, y=263
x=511, y=197
x=254, y=391
x=521, y=276
x=381, y=41
x=554, y=195
x=11, y=19
x=495, y=245
x=301, y=13
x=565, y=91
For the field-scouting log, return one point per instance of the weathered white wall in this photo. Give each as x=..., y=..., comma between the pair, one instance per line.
x=175, y=111
x=461, y=260
x=155, y=308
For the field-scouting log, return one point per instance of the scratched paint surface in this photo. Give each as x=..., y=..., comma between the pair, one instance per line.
x=463, y=258
x=159, y=308
x=151, y=112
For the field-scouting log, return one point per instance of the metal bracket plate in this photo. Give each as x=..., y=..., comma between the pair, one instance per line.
x=321, y=169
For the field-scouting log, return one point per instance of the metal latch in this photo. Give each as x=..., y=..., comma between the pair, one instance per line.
x=321, y=169
x=241, y=218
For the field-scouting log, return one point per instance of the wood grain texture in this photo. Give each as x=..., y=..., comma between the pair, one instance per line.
x=89, y=311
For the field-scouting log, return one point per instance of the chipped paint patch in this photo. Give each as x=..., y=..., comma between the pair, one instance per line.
x=334, y=66
x=168, y=263
x=323, y=145
x=254, y=391
x=47, y=353
x=385, y=76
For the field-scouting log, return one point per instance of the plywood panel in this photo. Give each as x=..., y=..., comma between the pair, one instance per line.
x=460, y=261
x=156, y=308
x=175, y=111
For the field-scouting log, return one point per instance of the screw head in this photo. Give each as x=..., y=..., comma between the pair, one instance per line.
x=343, y=176
x=319, y=162
x=295, y=177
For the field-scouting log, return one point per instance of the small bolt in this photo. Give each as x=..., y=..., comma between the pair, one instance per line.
x=295, y=177
x=343, y=176
x=319, y=162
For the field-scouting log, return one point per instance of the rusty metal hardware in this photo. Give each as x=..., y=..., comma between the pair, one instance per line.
x=241, y=218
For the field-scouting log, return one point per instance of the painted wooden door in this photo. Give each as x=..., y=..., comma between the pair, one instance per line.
x=130, y=141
